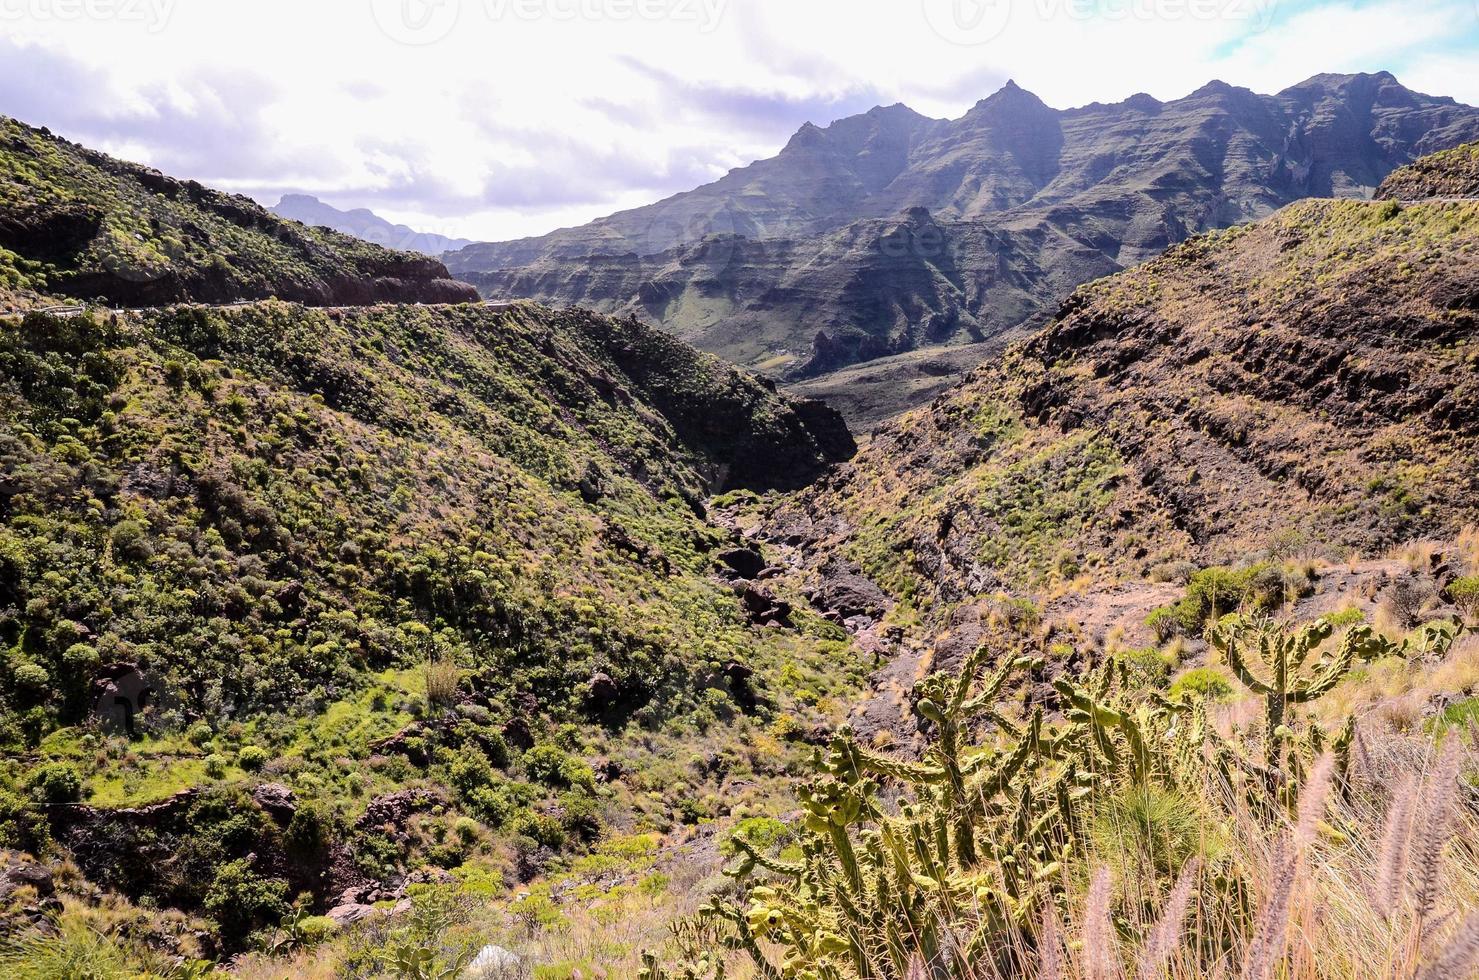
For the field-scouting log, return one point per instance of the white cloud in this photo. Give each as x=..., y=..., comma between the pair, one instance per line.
x=516, y=116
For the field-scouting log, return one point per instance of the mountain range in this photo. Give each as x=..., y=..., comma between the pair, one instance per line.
x=365, y=224
x=380, y=630
x=889, y=232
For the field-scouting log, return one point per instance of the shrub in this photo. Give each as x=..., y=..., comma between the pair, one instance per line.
x=1148, y=668
x=81, y=659
x=1208, y=683
x=309, y=833
x=470, y=771
x=21, y=827
x=1165, y=623
x=241, y=900
x=580, y=816
x=32, y=678
x=199, y=734
x=466, y=828
x=54, y=782
x=215, y=766
x=557, y=768
x=541, y=828
x=1350, y=616
x=1147, y=827
x=1464, y=593
x=252, y=758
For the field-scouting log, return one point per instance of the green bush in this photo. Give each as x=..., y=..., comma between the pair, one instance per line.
x=21, y=827
x=1208, y=683
x=240, y=900
x=32, y=678
x=1147, y=667
x=215, y=766
x=470, y=771
x=1214, y=592
x=1350, y=616
x=309, y=833
x=199, y=734
x=1464, y=593
x=54, y=782
x=541, y=828
x=252, y=758
x=556, y=768
x=580, y=816
x=1165, y=623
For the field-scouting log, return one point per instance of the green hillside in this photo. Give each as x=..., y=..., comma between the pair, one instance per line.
x=81, y=224
x=313, y=530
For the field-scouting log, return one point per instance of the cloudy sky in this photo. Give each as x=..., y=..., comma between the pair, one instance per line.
x=494, y=119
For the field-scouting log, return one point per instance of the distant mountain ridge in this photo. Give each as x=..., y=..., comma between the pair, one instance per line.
x=365, y=224
x=890, y=231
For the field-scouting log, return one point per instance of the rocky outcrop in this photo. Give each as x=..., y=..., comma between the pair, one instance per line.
x=751, y=436
x=27, y=892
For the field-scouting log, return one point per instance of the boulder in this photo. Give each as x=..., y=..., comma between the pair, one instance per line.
x=276, y=800
x=349, y=914
x=17, y=872
x=747, y=563
x=495, y=963
x=847, y=594
x=601, y=691
x=762, y=607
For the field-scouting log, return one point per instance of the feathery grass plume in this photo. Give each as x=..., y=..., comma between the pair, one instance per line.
x=1427, y=858
x=1050, y=946
x=916, y=969
x=1165, y=936
x=1391, y=861
x=1270, y=932
x=1101, y=958
x=1312, y=797
x=1460, y=958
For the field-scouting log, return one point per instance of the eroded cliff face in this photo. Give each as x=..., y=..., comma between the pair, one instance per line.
x=80, y=224
x=888, y=232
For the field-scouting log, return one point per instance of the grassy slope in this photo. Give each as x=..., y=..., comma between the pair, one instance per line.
x=1451, y=173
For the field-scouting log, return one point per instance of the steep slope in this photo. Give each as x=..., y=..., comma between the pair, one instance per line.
x=270, y=564
x=300, y=441
x=77, y=223
x=364, y=224
x=891, y=232
x=1302, y=385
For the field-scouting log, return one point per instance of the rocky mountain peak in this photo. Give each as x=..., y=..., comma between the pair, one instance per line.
x=1009, y=100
